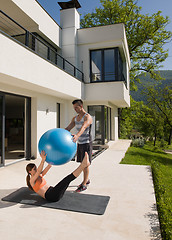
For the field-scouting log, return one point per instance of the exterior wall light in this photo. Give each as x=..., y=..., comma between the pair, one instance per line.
x=47, y=110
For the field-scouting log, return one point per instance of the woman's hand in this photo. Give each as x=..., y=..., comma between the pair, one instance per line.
x=43, y=155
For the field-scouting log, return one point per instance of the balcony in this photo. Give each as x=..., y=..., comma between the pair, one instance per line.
x=37, y=45
x=102, y=93
x=107, y=77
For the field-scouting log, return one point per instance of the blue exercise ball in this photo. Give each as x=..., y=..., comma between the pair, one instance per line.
x=58, y=145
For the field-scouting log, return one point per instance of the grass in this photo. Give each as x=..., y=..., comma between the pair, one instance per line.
x=161, y=164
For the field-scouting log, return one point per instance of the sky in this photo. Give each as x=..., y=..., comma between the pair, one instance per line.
x=148, y=7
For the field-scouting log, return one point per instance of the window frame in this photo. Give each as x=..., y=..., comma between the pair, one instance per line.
x=118, y=63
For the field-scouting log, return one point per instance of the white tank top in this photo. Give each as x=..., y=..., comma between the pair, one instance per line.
x=86, y=136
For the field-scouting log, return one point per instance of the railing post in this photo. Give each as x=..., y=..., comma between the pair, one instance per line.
x=56, y=58
x=63, y=63
x=75, y=71
x=27, y=38
x=48, y=54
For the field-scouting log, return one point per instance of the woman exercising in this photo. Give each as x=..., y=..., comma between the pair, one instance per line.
x=37, y=183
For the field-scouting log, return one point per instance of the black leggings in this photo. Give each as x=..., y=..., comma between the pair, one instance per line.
x=54, y=194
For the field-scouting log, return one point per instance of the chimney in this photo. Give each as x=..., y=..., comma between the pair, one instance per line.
x=70, y=23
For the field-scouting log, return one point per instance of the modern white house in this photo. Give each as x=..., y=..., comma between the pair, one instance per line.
x=44, y=67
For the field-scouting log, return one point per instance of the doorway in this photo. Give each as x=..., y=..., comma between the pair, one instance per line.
x=15, y=128
x=2, y=124
x=101, y=123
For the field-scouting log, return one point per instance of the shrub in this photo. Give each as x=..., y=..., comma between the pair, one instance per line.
x=163, y=204
x=137, y=143
x=163, y=144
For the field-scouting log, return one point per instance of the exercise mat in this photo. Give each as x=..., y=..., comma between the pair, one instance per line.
x=71, y=201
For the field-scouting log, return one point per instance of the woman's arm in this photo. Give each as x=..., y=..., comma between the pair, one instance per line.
x=46, y=169
x=40, y=168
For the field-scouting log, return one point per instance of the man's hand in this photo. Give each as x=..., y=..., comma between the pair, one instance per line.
x=75, y=138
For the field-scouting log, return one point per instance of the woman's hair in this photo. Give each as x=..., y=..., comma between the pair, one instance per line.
x=28, y=169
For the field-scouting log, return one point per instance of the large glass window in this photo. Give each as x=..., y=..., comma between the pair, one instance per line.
x=58, y=115
x=96, y=66
x=106, y=65
x=101, y=127
x=109, y=65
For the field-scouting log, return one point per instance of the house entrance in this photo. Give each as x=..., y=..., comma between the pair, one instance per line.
x=101, y=123
x=15, y=128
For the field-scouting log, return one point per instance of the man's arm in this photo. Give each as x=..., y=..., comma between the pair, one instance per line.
x=87, y=122
x=71, y=125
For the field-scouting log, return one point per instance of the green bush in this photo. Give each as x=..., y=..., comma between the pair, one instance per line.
x=163, y=144
x=163, y=201
x=137, y=143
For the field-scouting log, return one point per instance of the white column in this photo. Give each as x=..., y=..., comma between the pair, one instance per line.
x=69, y=22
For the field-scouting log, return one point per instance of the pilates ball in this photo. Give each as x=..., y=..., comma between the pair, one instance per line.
x=58, y=145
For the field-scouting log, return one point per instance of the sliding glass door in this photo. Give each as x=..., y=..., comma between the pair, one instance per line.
x=15, y=128
x=2, y=121
x=101, y=127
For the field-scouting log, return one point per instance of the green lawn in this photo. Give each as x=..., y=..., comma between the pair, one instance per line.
x=161, y=164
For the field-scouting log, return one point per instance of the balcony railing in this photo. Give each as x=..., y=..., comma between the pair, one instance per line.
x=39, y=46
x=107, y=77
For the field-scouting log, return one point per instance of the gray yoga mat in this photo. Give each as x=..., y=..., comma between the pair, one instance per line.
x=71, y=201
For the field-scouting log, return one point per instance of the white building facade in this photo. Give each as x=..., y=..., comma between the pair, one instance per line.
x=44, y=67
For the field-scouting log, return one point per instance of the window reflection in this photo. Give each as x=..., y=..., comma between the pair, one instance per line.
x=109, y=65
x=96, y=65
x=101, y=127
x=106, y=65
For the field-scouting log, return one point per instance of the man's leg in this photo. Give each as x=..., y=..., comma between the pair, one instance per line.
x=86, y=170
x=86, y=174
x=84, y=164
x=85, y=148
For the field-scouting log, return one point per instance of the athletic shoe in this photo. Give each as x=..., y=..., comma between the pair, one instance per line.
x=87, y=183
x=81, y=188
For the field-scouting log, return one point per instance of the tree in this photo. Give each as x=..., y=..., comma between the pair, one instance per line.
x=126, y=122
x=149, y=122
x=146, y=35
x=143, y=119
x=161, y=100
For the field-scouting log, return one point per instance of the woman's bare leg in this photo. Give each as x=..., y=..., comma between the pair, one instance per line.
x=84, y=164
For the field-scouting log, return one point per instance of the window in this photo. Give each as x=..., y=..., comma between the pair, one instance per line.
x=58, y=115
x=106, y=65
x=96, y=66
x=109, y=65
x=101, y=127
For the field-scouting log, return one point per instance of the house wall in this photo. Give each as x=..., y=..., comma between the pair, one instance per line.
x=115, y=92
x=46, y=25
x=98, y=38
x=25, y=73
x=31, y=71
x=40, y=120
x=70, y=23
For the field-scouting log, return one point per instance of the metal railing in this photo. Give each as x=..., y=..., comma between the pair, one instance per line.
x=39, y=46
x=108, y=77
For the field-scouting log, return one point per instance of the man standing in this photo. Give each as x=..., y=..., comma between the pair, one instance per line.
x=82, y=122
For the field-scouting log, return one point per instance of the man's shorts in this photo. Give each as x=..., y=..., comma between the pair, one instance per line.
x=81, y=149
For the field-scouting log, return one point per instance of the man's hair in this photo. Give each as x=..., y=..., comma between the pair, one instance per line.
x=78, y=101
